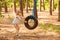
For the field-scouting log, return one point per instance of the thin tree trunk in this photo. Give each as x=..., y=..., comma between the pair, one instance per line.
x=14, y=5
x=59, y=11
x=53, y=5
x=0, y=7
x=21, y=6
x=50, y=7
x=42, y=5
x=27, y=6
x=6, y=9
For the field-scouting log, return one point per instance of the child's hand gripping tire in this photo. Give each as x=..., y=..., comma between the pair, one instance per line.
x=27, y=24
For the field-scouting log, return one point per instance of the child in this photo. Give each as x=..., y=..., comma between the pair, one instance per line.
x=16, y=19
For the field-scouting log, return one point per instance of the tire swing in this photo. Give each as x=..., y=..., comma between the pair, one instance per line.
x=32, y=17
x=35, y=22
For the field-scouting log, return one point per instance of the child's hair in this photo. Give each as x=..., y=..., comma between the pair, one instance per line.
x=18, y=12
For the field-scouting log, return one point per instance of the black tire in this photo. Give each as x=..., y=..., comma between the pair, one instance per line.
x=35, y=22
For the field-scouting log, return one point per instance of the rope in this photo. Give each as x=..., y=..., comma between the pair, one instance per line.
x=35, y=7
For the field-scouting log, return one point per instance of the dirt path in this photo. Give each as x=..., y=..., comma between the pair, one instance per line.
x=8, y=33
x=27, y=37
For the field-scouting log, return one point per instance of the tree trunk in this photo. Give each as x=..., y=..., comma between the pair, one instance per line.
x=42, y=5
x=14, y=5
x=0, y=7
x=50, y=7
x=59, y=11
x=53, y=5
x=21, y=6
x=27, y=6
x=6, y=9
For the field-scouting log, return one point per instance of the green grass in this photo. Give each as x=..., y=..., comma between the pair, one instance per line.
x=50, y=27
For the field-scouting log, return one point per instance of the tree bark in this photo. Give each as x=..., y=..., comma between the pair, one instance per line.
x=42, y=5
x=21, y=6
x=14, y=5
x=51, y=7
x=0, y=7
x=59, y=11
x=27, y=6
x=6, y=9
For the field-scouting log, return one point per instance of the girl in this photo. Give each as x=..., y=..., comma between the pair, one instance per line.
x=17, y=19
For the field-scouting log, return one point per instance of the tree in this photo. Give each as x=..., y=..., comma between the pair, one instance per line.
x=6, y=10
x=21, y=6
x=27, y=6
x=0, y=7
x=59, y=11
x=53, y=4
x=50, y=7
x=14, y=5
x=42, y=5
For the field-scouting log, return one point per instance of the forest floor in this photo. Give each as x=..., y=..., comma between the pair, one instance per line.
x=7, y=30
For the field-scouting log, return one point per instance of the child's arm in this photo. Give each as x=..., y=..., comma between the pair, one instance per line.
x=21, y=19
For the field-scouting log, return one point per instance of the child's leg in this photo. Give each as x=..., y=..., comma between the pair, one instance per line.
x=17, y=28
x=15, y=22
